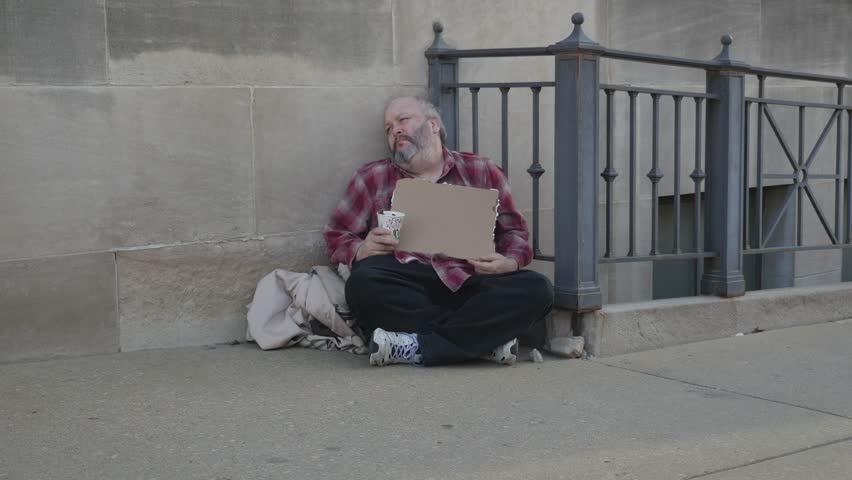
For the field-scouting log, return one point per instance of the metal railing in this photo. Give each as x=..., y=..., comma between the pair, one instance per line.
x=722, y=136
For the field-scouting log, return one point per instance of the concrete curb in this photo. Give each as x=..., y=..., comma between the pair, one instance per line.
x=633, y=327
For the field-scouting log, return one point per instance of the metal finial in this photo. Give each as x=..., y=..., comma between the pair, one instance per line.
x=578, y=39
x=438, y=43
x=725, y=57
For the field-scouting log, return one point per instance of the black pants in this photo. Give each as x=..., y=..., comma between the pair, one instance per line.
x=487, y=311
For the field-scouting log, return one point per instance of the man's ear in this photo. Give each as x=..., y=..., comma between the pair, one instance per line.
x=435, y=126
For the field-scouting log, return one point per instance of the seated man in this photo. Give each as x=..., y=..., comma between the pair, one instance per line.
x=433, y=309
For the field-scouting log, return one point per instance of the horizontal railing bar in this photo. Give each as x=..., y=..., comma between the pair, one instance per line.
x=657, y=258
x=499, y=85
x=814, y=77
x=659, y=59
x=545, y=258
x=750, y=251
x=787, y=176
x=640, y=57
x=792, y=103
x=673, y=93
x=825, y=176
x=490, y=52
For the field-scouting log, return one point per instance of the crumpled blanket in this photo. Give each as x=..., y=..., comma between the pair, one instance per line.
x=304, y=309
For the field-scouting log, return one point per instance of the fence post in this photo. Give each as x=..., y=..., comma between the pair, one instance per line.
x=575, y=169
x=444, y=70
x=724, y=189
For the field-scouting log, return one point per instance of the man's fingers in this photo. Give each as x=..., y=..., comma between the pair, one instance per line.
x=386, y=241
x=482, y=267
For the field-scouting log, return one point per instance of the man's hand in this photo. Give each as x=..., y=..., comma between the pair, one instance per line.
x=378, y=242
x=494, y=263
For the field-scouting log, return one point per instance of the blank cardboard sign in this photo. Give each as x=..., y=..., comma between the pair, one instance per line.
x=450, y=219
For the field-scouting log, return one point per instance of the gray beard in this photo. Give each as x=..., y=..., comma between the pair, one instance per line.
x=416, y=143
x=403, y=157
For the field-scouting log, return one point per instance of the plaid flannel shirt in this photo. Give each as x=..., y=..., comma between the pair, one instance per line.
x=370, y=191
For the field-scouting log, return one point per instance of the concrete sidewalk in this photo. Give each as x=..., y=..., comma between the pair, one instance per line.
x=775, y=405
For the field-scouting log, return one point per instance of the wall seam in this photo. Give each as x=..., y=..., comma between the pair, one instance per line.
x=106, y=46
x=393, y=43
x=117, y=301
x=238, y=86
x=168, y=245
x=253, y=162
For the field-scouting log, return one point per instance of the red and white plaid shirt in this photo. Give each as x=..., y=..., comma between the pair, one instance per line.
x=370, y=191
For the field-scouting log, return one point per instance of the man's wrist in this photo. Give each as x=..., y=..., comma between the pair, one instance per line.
x=356, y=257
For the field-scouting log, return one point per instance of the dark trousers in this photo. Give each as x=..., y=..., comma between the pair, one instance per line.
x=487, y=311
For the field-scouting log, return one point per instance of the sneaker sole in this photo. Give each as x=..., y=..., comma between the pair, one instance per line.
x=379, y=349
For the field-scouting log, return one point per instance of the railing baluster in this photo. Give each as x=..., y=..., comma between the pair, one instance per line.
x=655, y=174
x=848, y=176
x=504, y=94
x=746, y=134
x=609, y=173
x=697, y=177
x=800, y=204
x=676, y=249
x=474, y=100
x=758, y=206
x=838, y=165
x=632, y=233
x=535, y=169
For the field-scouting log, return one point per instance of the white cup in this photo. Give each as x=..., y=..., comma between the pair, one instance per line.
x=392, y=221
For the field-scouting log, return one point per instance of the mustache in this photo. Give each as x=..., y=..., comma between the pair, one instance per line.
x=407, y=138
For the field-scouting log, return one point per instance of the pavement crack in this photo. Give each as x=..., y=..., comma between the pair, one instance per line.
x=768, y=459
x=733, y=392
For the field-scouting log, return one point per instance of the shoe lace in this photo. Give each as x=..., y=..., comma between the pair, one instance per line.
x=404, y=347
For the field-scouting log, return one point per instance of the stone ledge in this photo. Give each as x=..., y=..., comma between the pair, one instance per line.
x=634, y=327
x=197, y=294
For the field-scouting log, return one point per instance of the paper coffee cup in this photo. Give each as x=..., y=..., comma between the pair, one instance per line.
x=392, y=221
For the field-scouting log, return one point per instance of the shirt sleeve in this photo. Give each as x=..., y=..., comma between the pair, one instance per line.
x=511, y=237
x=349, y=223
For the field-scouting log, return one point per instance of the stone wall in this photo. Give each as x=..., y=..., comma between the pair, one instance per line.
x=157, y=159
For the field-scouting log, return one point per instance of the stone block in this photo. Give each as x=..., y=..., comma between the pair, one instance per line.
x=197, y=294
x=569, y=347
x=309, y=142
x=264, y=42
x=689, y=29
x=788, y=307
x=54, y=42
x=807, y=37
x=633, y=327
x=489, y=24
x=97, y=168
x=58, y=306
x=6, y=75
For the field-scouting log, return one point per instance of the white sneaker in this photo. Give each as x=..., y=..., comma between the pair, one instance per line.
x=393, y=347
x=505, y=354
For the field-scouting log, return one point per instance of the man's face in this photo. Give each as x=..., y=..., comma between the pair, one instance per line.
x=408, y=130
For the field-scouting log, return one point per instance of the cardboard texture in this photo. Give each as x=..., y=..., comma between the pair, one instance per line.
x=450, y=219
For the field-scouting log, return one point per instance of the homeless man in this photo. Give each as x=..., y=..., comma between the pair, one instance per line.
x=433, y=309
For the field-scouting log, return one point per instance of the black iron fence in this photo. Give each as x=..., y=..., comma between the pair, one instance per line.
x=722, y=131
